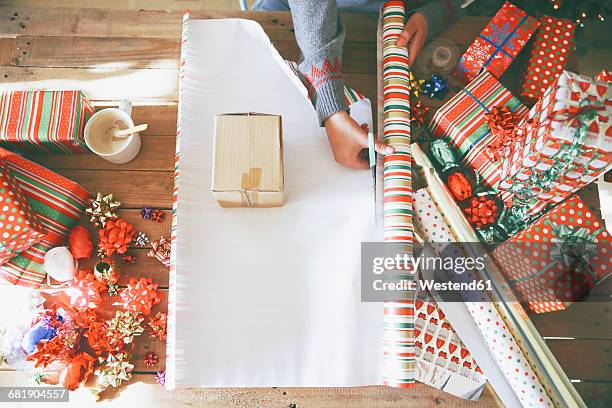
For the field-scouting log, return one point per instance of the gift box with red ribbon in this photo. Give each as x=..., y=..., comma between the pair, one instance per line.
x=558, y=258
x=498, y=44
x=56, y=201
x=20, y=227
x=552, y=45
x=44, y=121
x=563, y=144
x=480, y=115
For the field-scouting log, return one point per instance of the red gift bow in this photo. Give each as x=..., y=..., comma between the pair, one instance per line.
x=502, y=122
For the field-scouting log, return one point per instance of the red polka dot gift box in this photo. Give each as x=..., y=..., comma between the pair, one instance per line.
x=559, y=258
x=552, y=45
x=498, y=44
x=20, y=227
x=56, y=201
x=44, y=121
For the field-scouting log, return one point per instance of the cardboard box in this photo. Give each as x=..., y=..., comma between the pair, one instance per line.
x=248, y=160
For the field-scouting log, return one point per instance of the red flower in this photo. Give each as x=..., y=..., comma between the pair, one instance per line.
x=115, y=237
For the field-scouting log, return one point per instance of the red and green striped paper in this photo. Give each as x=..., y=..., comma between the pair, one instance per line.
x=462, y=120
x=44, y=121
x=58, y=203
x=399, y=365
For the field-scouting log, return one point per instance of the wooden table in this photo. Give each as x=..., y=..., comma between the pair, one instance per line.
x=114, y=54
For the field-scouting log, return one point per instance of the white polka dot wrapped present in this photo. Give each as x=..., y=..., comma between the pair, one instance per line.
x=20, y=227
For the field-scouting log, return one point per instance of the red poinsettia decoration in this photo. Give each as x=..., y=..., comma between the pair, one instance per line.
x=79, y=242
x=115, y=236
x=85, y=290
x=158, y=326
x=140, y=296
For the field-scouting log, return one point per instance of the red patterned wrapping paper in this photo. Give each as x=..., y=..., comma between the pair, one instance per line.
x=563, y=144
x=58, y=203
x=443, y=361
x=552, y=46
x=604, y=75
x=498, y=44
x=463, y=121
x=20, y=228
x=44, y=121
x=533, y=259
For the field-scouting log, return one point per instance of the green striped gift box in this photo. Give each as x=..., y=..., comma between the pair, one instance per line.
x=462, y=121
x=58, y=203
x=44, y=121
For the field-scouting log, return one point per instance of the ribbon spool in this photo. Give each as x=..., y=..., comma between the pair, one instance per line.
x=439, y=56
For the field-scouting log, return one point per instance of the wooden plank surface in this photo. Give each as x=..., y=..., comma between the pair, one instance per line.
x=112, y=54
x=98, y=22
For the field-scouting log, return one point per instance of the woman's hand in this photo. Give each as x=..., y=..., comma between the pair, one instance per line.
x=347, y=139
x=414, y=35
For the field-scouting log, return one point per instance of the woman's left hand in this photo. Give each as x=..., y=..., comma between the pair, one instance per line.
x=414, y=35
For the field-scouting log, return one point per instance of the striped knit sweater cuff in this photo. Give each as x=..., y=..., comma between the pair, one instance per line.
x=329, y=99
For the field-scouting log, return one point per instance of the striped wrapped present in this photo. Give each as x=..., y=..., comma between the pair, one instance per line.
x=58, y=203
x=498, y=44
x=563, y=144
x=463, y=121
x=44, y=121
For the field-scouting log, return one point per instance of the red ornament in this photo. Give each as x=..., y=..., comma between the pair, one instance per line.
x=481, y=211
x=85, y=290
x=140, y=296
x=151, y=359
x=158, y=326
x=79, y=242
x=459, y=186
x=115, y=237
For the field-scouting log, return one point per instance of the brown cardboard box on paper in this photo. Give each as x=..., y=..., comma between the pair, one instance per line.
x=248, y=160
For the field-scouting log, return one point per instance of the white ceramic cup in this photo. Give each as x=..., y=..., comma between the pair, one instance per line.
x=97, y=139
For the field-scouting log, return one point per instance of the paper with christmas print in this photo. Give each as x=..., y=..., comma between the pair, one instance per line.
x=443, y=361
x=498, y=44
x=563, y=144
x=534, y=262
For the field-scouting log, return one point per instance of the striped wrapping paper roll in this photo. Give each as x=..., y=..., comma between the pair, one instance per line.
x=58, y=203
x=398, y=350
